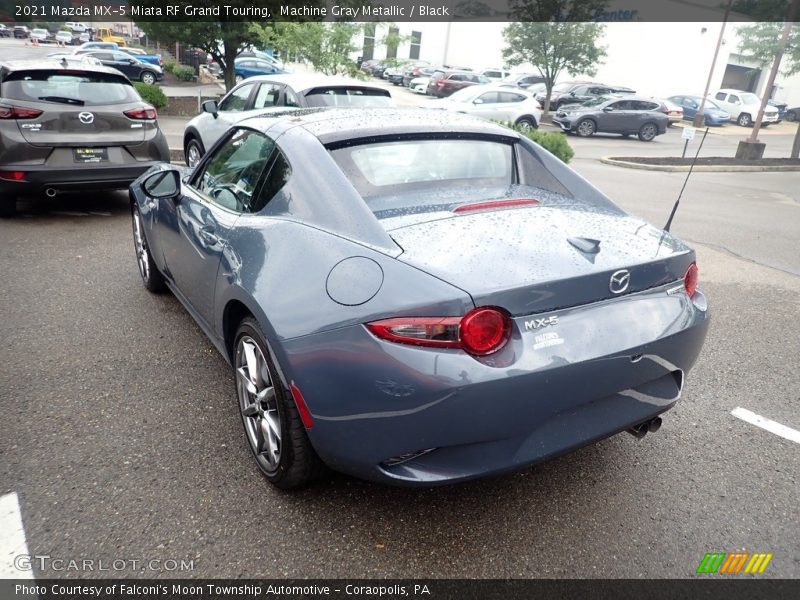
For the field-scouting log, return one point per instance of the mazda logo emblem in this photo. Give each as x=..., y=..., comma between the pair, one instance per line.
x=86, y=118
x=619, y=281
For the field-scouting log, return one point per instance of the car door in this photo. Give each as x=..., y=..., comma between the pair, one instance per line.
x=614, y=117
x=122, y=62
x=689, y=106
x=486, y=106
x=229, y=111
x=195, y=229
x=722, y=99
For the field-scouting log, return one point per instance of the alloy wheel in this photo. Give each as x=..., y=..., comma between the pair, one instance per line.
x=586, y=128
x=140, y=245
x=193, y=154
x=258, y=403
x=648, y=132
x=148, y=78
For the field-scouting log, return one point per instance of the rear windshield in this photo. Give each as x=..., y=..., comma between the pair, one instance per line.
x=413, y=176
x=348, y=96
x=63, y=87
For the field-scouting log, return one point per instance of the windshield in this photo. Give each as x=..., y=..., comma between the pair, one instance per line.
x=750, y=99
x=562, y=87
x=348, y=96
x=84, y=89
x=596, y=101
x=464, y=95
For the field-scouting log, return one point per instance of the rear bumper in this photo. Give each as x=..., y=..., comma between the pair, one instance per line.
x=39, y=179
x=602, y=369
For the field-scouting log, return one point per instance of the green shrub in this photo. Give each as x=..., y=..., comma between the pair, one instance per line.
x=554, y=142
x=152, y=95
x=183, y=72
x=169, y=66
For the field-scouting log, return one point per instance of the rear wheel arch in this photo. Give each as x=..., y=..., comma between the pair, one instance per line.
x=528, y=119
x=235, y=312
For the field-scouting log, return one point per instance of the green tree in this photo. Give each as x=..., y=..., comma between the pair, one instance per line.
x=761, y=42
x=553, y=48
x=327, y=46
x=223, y=39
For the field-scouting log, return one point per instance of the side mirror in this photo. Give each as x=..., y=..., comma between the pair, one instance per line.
x=608, y=109
x=164, y=184
x=131, y=61
x=572, y=93
x=477, y=101
x=210, y=106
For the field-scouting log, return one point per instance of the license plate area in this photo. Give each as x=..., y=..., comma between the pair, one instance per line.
x=90, y=155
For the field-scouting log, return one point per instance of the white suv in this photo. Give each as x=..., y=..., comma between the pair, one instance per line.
x=743, y=107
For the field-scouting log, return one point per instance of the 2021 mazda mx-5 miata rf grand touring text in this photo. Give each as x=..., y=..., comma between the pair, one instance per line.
x=417, y=298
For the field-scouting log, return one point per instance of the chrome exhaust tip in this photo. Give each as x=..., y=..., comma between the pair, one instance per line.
x=50, y=192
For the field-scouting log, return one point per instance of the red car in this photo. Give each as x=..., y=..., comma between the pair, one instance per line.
x=443, y=83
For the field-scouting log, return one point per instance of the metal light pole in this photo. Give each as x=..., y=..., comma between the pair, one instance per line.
x=700, y=115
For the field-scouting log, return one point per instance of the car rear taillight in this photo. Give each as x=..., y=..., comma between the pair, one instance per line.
x=12, y=175
x=690, y=279
x=144, y=113
x=7, y=111
x=481, y=331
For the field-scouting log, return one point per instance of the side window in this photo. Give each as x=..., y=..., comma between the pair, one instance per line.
x=622, y=105
x=289, y=97
x=488, y=98
x=580, y=90
x=231, y=174
x=237, y=100
x=456, y=77
x=103, y=56
x=720, y=96
x=734, y=99
x=511, y=97
x=278, y=175
x=267, y=95
x=121, y=57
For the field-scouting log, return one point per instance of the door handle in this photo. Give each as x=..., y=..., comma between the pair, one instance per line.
x=207, y=235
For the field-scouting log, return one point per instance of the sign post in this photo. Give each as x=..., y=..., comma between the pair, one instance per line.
x=687, y=135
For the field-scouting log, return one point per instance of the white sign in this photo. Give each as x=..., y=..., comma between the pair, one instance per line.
x=688, y=133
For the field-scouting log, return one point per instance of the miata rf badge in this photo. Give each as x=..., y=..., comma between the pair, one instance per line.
x=86, y=118
x=619, y=281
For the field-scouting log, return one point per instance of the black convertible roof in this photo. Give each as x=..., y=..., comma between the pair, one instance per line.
x=333, y=125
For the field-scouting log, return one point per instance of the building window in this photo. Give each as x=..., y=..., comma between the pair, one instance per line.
x=391, y=42
x=416, y=40
x=369, y=42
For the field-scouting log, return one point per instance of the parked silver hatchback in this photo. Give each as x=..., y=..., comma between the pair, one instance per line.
x=70, y=126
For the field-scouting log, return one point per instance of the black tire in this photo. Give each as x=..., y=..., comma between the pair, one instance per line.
x=527, y=123
x=8, y=207
x=193, y=145
x=586, y=128
x=152, y=279
x=744, y=120
x=790, y=116
x=648, y=132
x=148, y=77
x=297, y=463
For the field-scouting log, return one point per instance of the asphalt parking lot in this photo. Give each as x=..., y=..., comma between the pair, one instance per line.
x=123, y=439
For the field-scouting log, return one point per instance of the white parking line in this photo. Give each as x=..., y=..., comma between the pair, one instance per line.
x=766, y=424
x=12, y=538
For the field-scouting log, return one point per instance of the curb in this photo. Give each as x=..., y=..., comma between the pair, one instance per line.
x=698, y=168
x=176, y=155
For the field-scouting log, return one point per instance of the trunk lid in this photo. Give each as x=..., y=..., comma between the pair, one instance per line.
x=77, y=126
x=541, y=258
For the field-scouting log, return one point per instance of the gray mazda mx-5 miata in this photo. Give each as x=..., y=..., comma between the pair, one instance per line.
x=415, y=297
